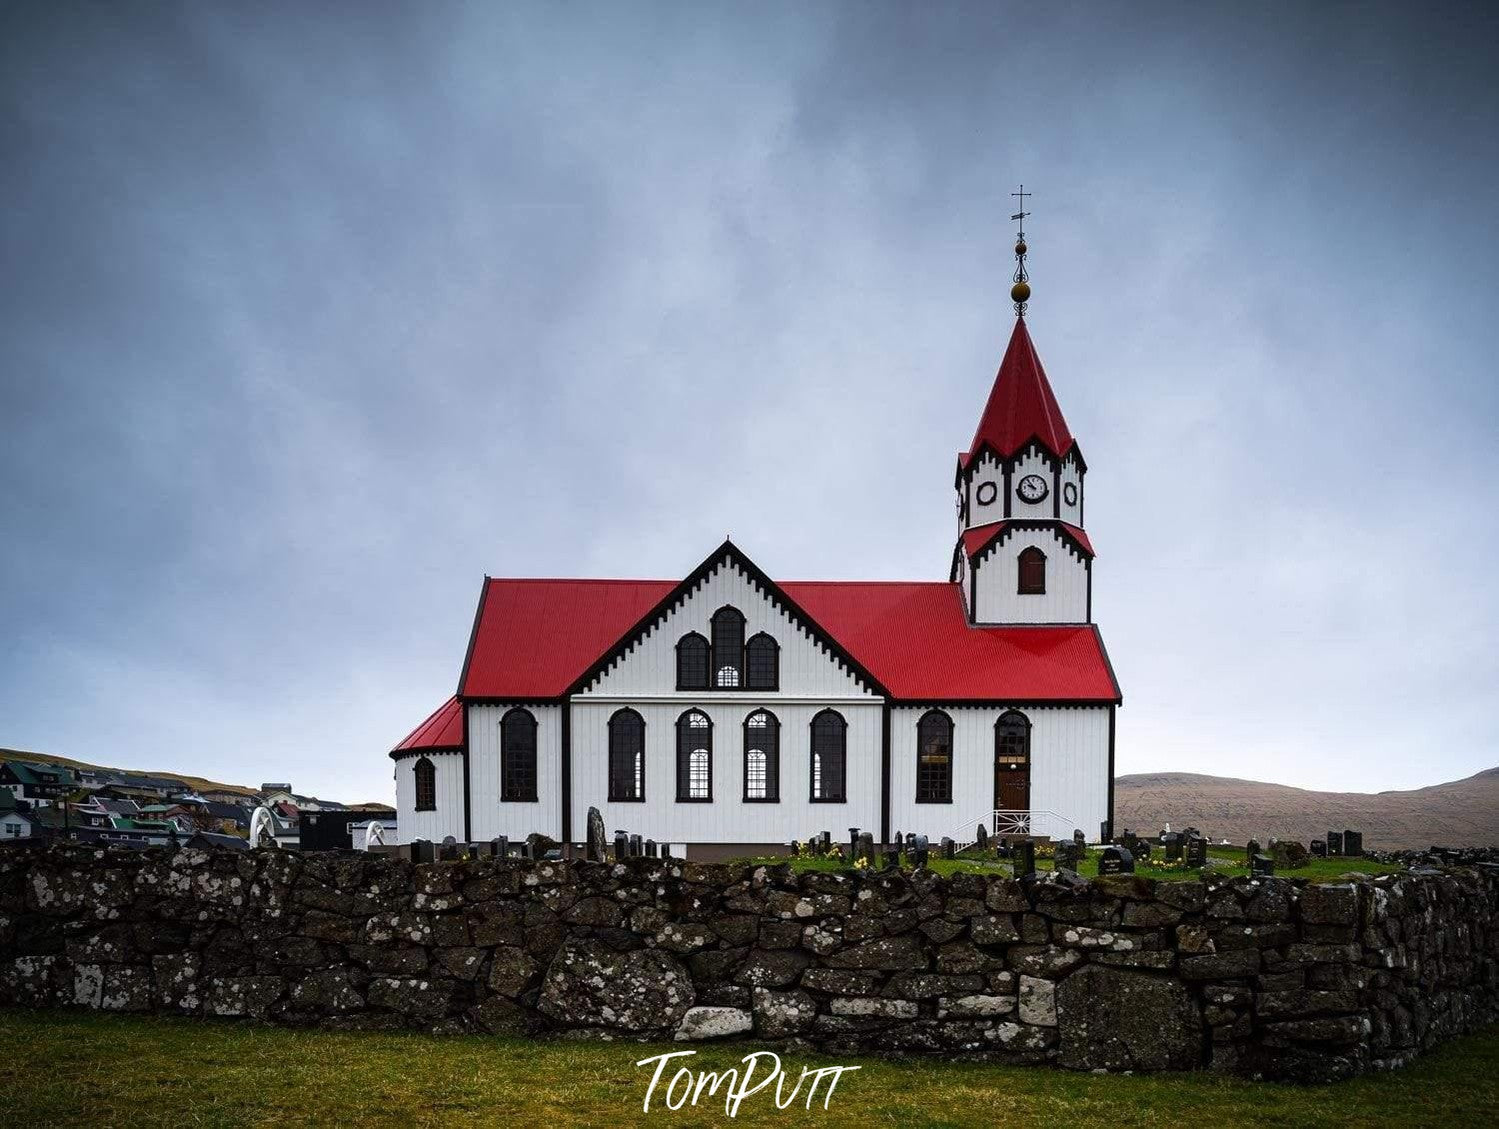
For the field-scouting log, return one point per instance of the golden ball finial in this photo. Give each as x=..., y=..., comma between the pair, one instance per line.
x=1020, y=247
x=1020, y=292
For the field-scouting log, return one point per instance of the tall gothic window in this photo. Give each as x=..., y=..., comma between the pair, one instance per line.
x=762, y=758
x=762, y=662
x=692, y=662
x=518, y=756
x=1032, y=572
x=934, y=758
x=829, y=757
x=694, y=757
x=728, y=648
x=425, y=778
x=626, y=756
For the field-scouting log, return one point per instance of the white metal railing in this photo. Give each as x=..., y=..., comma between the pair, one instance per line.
x=1015, y=821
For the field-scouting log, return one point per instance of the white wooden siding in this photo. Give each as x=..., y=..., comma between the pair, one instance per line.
x=411, y=824
x=728, y=819
x=650, y=667
x=1071, y=472
x=1065, y=599
x=491, y=818
x=987, y=470
x=1069, y=768
x=1038, y=464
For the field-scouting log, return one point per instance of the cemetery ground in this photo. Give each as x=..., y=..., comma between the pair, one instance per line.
x=63, y=1067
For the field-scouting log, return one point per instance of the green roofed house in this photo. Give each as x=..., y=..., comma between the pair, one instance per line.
x=38, y=784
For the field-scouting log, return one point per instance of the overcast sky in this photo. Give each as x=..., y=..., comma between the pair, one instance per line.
x=313, y=314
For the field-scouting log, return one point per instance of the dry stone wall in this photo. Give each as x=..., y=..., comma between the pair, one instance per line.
x=1270, y=976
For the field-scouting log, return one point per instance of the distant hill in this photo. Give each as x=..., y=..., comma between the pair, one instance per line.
x=1461, y=813
x=195, y=783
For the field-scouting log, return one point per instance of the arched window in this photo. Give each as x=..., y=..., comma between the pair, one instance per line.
x=626, y=756
x=829, y=757
x=934, y=758
x=694, y=757
x=762, y=758
x=728, y=648
x=518, y=757
x=425, y=777
x=692, y=662
x=762, y=663
x=1012, y=742
x=1032, y=572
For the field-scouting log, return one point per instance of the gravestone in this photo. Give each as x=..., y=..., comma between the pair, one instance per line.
x=827, y=842
x=1066, y=856
x=1024, y=854
x=637, y=846
x=949, y=848
x=597, y=836
x=1117, y=860
x=1106, y=831
x=621, y=846
x=853, y=843
x=1079, y=839
x=1262, y=866
x=1142, y=851
x=1334, y=844
x=1353, y=844
x=892, y=858
x=1289, y=853
x=1251, y=849
x=1002, y=849
x=504, y=846
x=1171, y=846
x=1319, y=848
x=449, y=849
x=1130, y=841
x=495, y=851
x=919, y=855
x=866, y=848
x=650, y=848
x=981, y=837
x=1197, y=852
x=423, y=850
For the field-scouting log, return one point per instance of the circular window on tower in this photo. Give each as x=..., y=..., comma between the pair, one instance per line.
x=986, y=494
x=1069, y=493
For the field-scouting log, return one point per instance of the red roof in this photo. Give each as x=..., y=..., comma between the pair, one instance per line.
x=443, y=730
x=1022, y=406
x=535, y=638
x=975, y=540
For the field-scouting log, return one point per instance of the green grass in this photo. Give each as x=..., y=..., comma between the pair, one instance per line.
x=1226, y=861
x=68, y=1068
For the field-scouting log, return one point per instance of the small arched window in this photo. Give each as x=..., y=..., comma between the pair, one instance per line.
x=694, y=758
x=1012, y=742
x=692, y=662
x=425, y=777
x=762, y=758
x=728, y=649
x=934, y=758
x=762, y=663
x=1032, y=572
x=829, y=757
x=627, y=757
x=518, y=757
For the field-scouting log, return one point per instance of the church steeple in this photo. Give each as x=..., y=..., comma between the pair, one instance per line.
x=1021, y=405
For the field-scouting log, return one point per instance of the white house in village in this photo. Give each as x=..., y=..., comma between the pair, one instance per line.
x=728, y=713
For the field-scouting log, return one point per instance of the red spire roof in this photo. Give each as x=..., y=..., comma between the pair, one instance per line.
x=1021, y=406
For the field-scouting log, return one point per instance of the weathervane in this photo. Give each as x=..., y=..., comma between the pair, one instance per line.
x=1020, y=293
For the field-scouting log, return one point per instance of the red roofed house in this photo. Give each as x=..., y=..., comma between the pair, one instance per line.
x=728, y=713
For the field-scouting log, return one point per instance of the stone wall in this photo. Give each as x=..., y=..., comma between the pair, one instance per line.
x=1269, y=976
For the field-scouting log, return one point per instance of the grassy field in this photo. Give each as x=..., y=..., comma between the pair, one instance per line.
x=63, y=1068
x=1227, y=861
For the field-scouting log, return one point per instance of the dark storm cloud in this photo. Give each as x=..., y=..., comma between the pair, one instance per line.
x=315, y=314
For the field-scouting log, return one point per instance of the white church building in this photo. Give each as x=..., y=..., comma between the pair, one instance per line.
x=728, y=713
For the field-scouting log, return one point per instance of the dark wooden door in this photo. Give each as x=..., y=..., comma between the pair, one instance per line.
x=1012, y=787
x=1012, y=763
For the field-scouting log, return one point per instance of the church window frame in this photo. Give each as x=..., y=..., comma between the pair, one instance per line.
x=827, y=767
x=518, y=756
x=762, y=662
x=934, y=758
x=727, y=632
x=424, y=781
x=626, y=757
x=694, y=758
x=762, y=758
x=694, y=662
x=1030, y=569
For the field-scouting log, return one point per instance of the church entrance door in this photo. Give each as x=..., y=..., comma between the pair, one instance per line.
x=1012, y=763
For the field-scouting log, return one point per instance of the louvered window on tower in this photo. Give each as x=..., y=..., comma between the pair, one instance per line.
x=728, y=648
x=1032, y=572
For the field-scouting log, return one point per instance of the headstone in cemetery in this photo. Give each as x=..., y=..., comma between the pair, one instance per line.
x=1117, y=860
x=1106, y=831
x=650, y=848
x=1065, y=856
x=1171, y=846
x=449, y=849
x=981, y=837
x=1002, y=850
x=892, y=859
x=597, y=836
x=827, y=842
x=1079, y=838
x=637, y=846
x=1262, y=866
x=1251, y=849
x=1289, y=853
x=853, y=843
x=621, y=846
x=1197, y=852
x=949, y=848
x=423, y=850
x=919, y=855
x=1334, y=844
x=1353, y=844
x=1319, y=848
x=866, y=848
x=1142, y=850
x=1024, y=855
x=495, y=849
x=1130, y=841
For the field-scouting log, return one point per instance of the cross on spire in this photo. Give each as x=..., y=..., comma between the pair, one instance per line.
x=1020, y=293
x=1020, y=215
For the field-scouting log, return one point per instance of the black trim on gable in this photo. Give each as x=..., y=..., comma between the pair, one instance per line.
x=402, y=754
x=731, y=554
x=473, y=637
x=1108, y=664
x=1074, y=546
